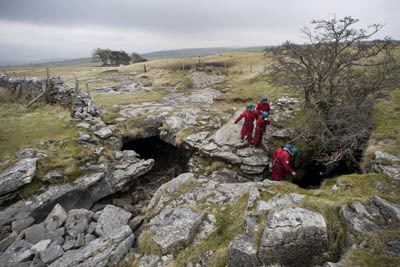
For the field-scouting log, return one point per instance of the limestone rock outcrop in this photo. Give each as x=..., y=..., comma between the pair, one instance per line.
x=292, y=237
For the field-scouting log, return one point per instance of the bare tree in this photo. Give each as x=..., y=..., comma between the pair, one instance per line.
x=338, y=71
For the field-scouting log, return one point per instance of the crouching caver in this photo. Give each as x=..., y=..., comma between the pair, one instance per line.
x=261, y=126
x=249, y=115
x=281, y=163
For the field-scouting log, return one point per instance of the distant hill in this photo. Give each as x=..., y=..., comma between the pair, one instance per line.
x=191, y=52
x=185, y=52
x=65, y=62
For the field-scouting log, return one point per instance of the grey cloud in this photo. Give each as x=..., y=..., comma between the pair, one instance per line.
x=73, y=27
x=185, y=15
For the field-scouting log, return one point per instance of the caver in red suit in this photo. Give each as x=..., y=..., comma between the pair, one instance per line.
x=281, y=164
x=249, y=116
x=261, y=126
x=263, y=106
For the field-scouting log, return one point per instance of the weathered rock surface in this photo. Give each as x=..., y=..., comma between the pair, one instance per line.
x=100, y=252
x=149, y=261
x=165, y=192
x=202, y=79
x=40, y=205
x=242, y=252
x=53, y=176
x=81, y=193
x=16, y=176
x=278, y=201
x=111, y=218
x=27, y=153
x=38, y=232
x=357, y=218
x=16, y=254
x=175, y=227
x=6, y=242
x=292, y=237
x=56, y=218
x=51, y=254
x=104, y=133
x=386, y=163
x=196, y=139
x=389, y=211
x=78, y=221
x=121, y=177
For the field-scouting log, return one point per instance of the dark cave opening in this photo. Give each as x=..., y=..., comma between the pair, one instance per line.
x=169, y=160
x=312, y=173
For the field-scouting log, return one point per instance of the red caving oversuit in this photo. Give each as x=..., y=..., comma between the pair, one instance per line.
x=261, y=107
x=280, y=164
x=261, y=126
x=247, y=128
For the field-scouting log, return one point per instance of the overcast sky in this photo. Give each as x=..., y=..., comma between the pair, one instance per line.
x=33, y=30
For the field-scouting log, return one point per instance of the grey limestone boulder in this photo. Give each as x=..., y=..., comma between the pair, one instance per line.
x=51, y=254
x=41, y=246
x=357, y=218
x=195, y=140
x=103, y=133
x=81, y=193
x=56, y=218
x=242, y=252
x=111, y=218
x=292, y=237
x=103, y=251
x=38, y=232
x=17, y=175
x=78, y=221
x=18, y=253
x=390, y=211
x=229, y=133
x=7, y=241
x=175, y=227
x=164, y=192
x=121, y=177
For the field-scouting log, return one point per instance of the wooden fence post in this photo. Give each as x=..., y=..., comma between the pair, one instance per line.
x=144, y=68
x=47, y=91
x=89, y=106
x=76, y=85
x=87, y=89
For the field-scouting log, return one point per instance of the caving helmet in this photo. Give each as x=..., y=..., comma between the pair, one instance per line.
x=294, y=151
x=264, y=99
x=288, y=148
x=250, y=106
x=265, y=114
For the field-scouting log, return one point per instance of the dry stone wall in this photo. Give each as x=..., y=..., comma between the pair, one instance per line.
x=30, y=88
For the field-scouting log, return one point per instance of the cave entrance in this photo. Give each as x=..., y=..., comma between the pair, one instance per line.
x=311, y=173
x=169, y=160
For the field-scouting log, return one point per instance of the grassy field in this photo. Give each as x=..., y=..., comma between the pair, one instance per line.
x=22, y=128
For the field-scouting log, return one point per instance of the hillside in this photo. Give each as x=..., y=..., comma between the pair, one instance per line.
x=148, y=169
